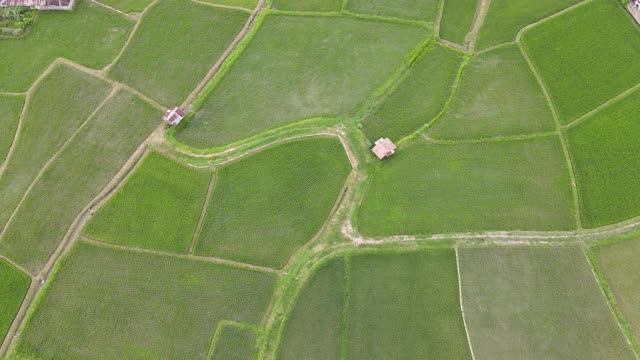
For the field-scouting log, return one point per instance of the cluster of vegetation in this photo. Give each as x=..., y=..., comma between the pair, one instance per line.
x=15, y=20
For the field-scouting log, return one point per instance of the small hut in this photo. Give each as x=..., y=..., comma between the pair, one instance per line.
x=634, y=9
x=384, y=148
x=173, y=116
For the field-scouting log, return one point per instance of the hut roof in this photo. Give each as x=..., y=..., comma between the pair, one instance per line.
x=173, y=116
x=384, y=148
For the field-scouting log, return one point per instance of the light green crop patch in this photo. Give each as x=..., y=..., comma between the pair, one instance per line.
x=422, y=10
x=267, y=205
x=51, y=117
x=457, y=18
x=90, y=35
x=515, y=297
x=497, y=96
x=80, y=172
x=431, y=188
x=233, y=341
x=308, y=5
x=619, y=264
x=583, y=60
x=14, y=285
x=168, y=56
x=115, y=304
x=419, y=97
x=314, y=326
x=405, y=306
x=506, y=18
x=604, y=150
x=308, y=73
x=10, y=108
x=157, y=208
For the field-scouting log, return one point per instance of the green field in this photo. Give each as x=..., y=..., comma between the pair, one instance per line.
x=308, y=73
x=604, y=149
x=422, y=10
x=405, y=306
x=314, y=326
x=457, y=17
x=506, y=17
x=498, y=96
x=10, y=108
x=308, y=5
x=81, y=171
x=157, y=208
x=418, y=98
x=115, y=304
x=14, y=285
x=168, y=56
x=537, y=303
x=267, y=205
x=619, y=264
x=90, y=35
x=430, y=188
x=234, y=342
x=583, y=60
x=52, y=116
x=128, y=6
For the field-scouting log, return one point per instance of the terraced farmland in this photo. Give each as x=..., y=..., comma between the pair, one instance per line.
x=505, y=225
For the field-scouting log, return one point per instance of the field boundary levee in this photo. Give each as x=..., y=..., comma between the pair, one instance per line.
x=464, y=318
x=203, y=212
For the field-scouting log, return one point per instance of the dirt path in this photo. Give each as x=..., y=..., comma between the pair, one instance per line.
x=464, y=319
x=478, y=20
x=203, y=213
x=218, y=64
x=132, y=17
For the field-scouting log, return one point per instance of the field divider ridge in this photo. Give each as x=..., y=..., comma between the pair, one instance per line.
x=561, y=134
x=602, y=106
x=346, y=300
x=464, y=319
x=480, y=16
x=132, y=17
x=489, y=139
x=220, y=6
x=210, y=259
x=611, y=304
x=552, y=16
x=54, y=157
x=203, y=213
x=25, y=306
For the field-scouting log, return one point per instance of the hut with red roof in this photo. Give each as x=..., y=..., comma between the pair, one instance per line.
x=173, y=116
x=384, y=148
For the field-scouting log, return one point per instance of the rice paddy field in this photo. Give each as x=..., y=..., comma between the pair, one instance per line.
x=504, y=225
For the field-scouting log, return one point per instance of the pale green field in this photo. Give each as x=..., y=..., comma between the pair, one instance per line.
x=309, y=73
x=457, y=17
x=422, y=10
x=537, y=303
x=51, y=118
x=234, y=342
x=167, y=57
x=308, y=5
x=10, y=108
x=113, y=304
x=81, y=171
x=498, y=96
x=619, y=265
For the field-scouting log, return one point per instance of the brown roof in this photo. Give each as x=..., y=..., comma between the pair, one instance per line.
x=384, y=148
x=173, y=116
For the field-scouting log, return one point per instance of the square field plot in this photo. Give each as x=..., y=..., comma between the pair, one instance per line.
x=14, y=285
x=537, y=303
x=433, y=188
x=267, y=205
x=234, y=341
x=506, y=18
x=90, y=35
x=604, y=149
x=497, y=96
x=619, y=264
x=157, y=208
x=585, y=56
x=405, y=306
x=115, y=304
x=325, y=66
x=168, y=56
x=314, y=327
x=421, y=10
